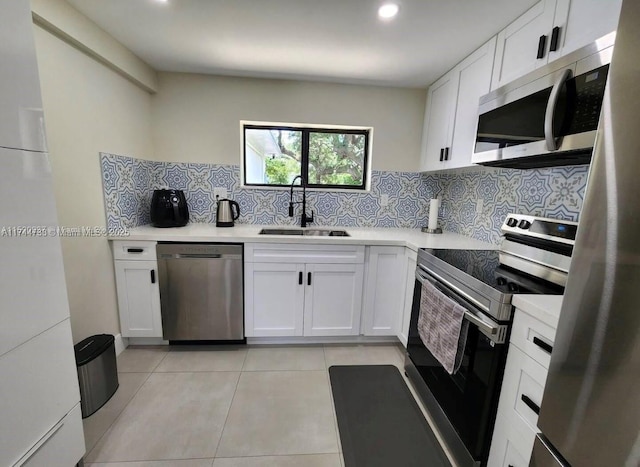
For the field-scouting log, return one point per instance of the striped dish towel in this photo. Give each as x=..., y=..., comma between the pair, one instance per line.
x=442, y=327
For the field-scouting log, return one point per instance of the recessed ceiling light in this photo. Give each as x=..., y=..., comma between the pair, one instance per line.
x=388, y=10
x=162, y=1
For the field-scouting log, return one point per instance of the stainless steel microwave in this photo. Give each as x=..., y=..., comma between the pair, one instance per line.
x=548, y=117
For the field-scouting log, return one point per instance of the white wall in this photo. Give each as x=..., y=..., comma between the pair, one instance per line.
x=196, y=117
x=88, y=108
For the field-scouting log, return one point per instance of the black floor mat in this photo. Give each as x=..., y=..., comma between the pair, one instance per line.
x=380, y=423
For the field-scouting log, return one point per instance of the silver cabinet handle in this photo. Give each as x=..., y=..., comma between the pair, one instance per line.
x=549, y=137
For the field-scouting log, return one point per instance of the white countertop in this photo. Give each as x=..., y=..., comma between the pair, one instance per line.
x=545, y=308
x=412, y=238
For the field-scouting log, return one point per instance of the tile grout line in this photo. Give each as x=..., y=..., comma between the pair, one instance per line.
x=333, y=408
x=226, y=418
x=87, y=455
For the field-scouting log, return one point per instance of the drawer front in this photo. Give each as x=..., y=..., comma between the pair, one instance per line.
x=523, y=385
x=295, y=253
x=134, y=250
x=533, y=337
x=63, y=446
x=515, y=429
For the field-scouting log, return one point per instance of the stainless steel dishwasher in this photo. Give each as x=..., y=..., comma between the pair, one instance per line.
x=201, y=291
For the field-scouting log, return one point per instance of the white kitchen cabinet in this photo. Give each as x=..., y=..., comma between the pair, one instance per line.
x=576, y=23
x=438, y=121
x=522, y=389
x=410, y=274
x=138, y=298
x=296, y=290
x=274, y=299
x=517, y=44
x=583, y=21
x=333, y=299
x=384, y=291
x=474, y=81
x=451, y=114
x=21, y=116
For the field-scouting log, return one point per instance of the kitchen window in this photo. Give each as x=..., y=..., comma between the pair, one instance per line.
x=326, y=157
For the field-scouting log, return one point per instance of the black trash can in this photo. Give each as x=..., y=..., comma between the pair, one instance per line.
x=97, y=371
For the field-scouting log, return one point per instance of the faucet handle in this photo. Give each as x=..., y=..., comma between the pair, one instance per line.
x=310, y=218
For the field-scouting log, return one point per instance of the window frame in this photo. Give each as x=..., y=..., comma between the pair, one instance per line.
x=306, y=130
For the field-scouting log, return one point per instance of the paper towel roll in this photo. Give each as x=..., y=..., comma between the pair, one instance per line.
x=434, y=204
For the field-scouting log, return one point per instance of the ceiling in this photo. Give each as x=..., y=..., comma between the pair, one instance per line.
x=321, y=40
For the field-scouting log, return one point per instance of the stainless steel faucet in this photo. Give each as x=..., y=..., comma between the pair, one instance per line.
x=304, y=219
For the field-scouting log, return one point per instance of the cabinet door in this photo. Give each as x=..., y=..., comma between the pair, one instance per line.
x=438, y=121
x=403, y=326
x=517, y=44
x=582, y=22
x=333, y=299
x=138, y=298
x=474, y=81
x=385, y=291
x=274, y=299
x=21, y=117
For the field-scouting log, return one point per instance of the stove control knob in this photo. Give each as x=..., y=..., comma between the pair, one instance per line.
x=502, y=281
x=513, y=287
x=524, y=224
x=512, y=222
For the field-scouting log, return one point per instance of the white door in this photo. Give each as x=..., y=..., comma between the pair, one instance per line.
x=581, y=22
x=274, y=299
x=438, y=122
x=30, y=250
x=385, y=289
x=517, y=44
x=474, y=81
x=403, y=329
x=138, y=298
x=333, y=299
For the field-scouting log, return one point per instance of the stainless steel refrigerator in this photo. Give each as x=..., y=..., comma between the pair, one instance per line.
x=590, y=413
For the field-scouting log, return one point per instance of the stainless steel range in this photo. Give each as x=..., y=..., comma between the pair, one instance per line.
x=533, y=258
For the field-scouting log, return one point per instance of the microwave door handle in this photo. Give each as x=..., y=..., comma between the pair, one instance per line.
x=549, y=137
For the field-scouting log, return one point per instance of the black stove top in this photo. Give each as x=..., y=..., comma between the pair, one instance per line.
x=484, y=265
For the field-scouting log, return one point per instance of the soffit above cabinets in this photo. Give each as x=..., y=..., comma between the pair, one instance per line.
x=335, y=41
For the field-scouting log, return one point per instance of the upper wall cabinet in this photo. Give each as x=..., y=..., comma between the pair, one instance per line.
x=580, y=22
x=452, y=111
x=21, y=117
x=549, y=30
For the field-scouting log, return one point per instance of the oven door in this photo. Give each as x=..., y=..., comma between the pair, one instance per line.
x=464, y=404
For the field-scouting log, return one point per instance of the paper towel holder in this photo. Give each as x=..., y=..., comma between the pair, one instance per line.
x=437, y=230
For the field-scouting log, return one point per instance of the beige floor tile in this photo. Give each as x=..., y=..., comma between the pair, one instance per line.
x=308, y=460
x=141, y=360
x=173, y=416
x=97, y=424
x=284, y=358
x=363, y=355
x=200, y=359
x=171, y=463
x=280, y=413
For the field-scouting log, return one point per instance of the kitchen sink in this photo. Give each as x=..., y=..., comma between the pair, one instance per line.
x=306, y=232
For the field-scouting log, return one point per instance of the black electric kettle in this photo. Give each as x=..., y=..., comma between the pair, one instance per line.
x=227, y=212
x=169, y=208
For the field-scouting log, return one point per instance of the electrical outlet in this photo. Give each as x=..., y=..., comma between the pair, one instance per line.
x=384, y=200
x=479, y=206
x=219, y=193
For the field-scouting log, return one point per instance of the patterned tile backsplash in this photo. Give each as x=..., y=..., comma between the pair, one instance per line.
x=128, y=184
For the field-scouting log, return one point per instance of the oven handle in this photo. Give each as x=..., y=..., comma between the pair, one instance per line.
x=452, y=287
x=485, y=327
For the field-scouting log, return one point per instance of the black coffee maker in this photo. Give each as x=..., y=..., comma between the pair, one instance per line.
x=169, y=208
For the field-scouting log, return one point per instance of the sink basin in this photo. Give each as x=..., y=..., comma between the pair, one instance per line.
x=308, y=232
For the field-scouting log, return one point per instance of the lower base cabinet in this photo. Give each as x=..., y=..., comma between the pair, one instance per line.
x=303, y=291
x=138, y=291
x=523, y=384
